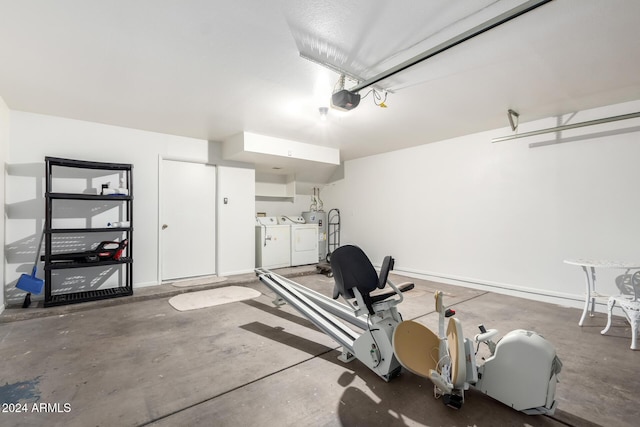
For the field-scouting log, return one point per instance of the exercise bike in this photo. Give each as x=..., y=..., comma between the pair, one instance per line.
x=521, y=371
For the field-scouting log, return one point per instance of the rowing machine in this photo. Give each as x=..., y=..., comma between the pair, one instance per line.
x=375, y=314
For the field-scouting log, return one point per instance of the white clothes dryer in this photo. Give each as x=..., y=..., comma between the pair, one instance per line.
x=304, y=240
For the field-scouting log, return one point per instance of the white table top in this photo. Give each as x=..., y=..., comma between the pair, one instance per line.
x=602, y=263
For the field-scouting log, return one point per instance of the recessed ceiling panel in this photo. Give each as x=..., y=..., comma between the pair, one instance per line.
x=364, y=38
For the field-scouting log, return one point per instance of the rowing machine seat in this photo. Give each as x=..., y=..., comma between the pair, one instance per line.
x=352, y=269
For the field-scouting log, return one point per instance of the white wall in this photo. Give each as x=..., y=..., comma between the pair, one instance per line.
x=236, y=220
x=35, y=136
x=4, y=144
x=501, y=216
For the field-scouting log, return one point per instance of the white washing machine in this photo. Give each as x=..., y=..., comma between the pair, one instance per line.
x=273, y=243
x=304, y=240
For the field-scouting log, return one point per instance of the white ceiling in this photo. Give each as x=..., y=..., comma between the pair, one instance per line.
x=213, y=68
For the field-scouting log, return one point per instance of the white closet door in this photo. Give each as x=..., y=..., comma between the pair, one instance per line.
x=188, y=232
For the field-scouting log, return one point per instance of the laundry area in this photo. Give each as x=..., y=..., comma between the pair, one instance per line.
x=285, y=241
x=291, y=241
x=339, y=213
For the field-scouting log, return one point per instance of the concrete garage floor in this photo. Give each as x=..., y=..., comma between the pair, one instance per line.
x=137, y=361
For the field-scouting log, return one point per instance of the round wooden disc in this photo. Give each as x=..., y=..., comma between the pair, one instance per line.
x=416, y=347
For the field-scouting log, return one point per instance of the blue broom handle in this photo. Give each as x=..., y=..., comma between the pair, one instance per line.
x=38, y=251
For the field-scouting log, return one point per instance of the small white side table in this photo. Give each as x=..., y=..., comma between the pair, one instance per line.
x=589, y=267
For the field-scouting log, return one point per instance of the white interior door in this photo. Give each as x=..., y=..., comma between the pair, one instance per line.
x=188, y=202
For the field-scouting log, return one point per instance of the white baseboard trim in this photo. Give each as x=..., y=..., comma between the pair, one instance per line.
x=543, y=295
x=144, y=284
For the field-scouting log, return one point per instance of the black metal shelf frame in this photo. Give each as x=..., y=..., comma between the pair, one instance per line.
x=53, y=299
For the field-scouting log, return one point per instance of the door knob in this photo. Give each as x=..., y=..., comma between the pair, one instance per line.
x=164, y=226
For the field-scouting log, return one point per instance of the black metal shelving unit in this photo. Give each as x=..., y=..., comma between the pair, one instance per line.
x=70, y=296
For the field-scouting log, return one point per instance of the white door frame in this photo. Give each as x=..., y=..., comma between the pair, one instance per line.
x=158, y=230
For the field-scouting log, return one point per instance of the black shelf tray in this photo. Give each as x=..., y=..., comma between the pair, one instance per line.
x=81, y=196
x=86, y=230
x=69, y=264
x=77, y=297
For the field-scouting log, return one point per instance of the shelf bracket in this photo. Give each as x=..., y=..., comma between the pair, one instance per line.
x=513, y=115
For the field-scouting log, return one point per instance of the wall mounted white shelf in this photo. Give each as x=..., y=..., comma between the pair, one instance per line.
x=273, y=186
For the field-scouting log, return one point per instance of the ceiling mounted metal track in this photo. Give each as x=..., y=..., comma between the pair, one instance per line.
x=475, y=31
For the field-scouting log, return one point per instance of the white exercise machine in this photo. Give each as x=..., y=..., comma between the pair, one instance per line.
x=376, y=315
x=521, y=371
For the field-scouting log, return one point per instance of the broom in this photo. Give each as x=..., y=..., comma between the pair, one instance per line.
x=29, y=282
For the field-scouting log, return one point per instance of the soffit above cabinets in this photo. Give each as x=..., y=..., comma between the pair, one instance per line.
x=307, y=162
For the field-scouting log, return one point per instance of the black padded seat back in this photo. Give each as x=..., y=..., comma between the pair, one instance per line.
x=387, y=266
x=352, y=269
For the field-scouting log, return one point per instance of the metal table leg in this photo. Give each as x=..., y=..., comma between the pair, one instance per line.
x=610, y=304
x=590, y=280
